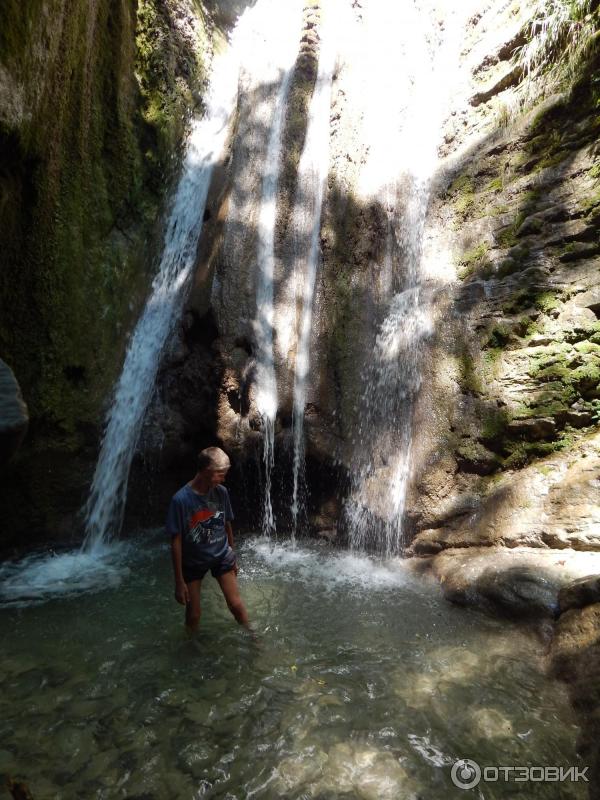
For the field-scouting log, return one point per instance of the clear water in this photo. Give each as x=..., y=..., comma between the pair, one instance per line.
x=365, y=684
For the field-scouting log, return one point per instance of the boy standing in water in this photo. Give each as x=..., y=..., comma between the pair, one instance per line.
x=199, y=523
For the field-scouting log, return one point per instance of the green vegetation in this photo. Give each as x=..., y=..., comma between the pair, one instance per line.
x=495, y=185
x=473, y=259
x=493, y=425
x=167, y=102
x=591, y=203
x=498, y=338
x=470, y=377
x=498, y=210
x=560, y=37
x=521, y=453
x=546, y=302
x=462, y=192
x=86, y=171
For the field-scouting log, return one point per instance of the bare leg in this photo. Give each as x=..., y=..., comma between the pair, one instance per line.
x=192, y=607
x=229, y=587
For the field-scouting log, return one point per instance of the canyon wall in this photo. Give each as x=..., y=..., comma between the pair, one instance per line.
x=505, y=424
x=95, y=97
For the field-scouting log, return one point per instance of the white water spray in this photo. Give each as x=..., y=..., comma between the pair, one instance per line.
x=375, y=509
x=104, y=508
x=266, y=382
x=306, y=225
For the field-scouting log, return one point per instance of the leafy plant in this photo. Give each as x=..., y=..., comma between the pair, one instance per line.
x=560, y=34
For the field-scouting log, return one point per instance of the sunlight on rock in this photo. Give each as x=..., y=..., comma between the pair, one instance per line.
x=489, y=723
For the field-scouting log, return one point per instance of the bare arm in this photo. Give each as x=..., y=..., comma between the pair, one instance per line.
x=229, y=531
x=181, y=591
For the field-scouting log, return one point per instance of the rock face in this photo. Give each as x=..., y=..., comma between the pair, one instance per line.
x=508, y=404
x=575, y=659
x=94, y=102
x=506, y=427
x=519, y=582
x=509, y=394
x=13, y=415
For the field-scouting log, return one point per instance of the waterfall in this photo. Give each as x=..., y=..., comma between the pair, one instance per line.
x=306, y=223
x=374, y=511
x=105, y=505
x=266, y=382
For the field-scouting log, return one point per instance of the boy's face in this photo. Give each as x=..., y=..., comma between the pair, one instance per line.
x=216, y=476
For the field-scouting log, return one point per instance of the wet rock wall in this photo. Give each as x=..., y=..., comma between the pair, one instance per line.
x=94, y=102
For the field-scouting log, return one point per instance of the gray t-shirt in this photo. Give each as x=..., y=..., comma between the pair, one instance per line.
x=200, y=519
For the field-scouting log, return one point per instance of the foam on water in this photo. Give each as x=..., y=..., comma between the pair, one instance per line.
x=332, y=567
x=48, y=576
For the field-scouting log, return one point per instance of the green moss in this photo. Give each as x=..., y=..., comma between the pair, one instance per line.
x=462, y=192
x=591, y=203
x=570, y=247
x=473, y=259
x=549, y=403
x=470, y=377
x=527, y=327
x=523, y=298
x=521, y=453
x=498, y=210
x=498, y=338
x=544, y=469
x=552, y=160
x=588, y=348
x=507, y=237
x=528, y=298
x=494, y=422
x=162, y=59
x=86, y=174
x=495, y=185
x=587, y=375
x=546, y=302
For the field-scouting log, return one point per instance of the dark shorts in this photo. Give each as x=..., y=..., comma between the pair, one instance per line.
x=195, y=572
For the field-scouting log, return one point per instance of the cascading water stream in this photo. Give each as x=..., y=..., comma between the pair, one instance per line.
x=391, y=380
x=105, y=505
x=306, y=221
x=266, y=382
x=96, y=564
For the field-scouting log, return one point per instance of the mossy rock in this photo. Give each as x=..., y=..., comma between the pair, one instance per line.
x=82, y=182
x=462, y=194
x=471, y=456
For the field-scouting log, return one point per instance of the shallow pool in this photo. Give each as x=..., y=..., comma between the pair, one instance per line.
x=364, y=684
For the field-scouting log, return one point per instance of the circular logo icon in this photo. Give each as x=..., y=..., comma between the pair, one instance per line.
x=466, y=773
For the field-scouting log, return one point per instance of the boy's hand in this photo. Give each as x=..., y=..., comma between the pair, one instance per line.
x=182, y=594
